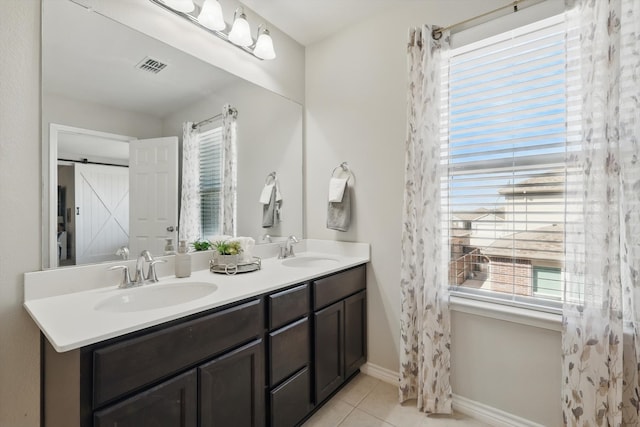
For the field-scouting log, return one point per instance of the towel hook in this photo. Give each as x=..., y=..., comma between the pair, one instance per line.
x=272, y=175
x=345, y=169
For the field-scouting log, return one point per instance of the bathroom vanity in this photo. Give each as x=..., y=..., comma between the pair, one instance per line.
x=268, y=359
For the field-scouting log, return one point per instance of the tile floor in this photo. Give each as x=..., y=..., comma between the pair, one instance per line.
x=368, y=402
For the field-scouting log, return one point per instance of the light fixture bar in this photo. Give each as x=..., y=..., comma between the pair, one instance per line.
x=191, y=17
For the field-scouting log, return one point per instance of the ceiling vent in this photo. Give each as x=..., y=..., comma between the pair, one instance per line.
x=151, y=65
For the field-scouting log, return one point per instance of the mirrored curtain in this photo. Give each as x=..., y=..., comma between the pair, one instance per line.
x=190, y=223
x=229, y=194
x=425, y=319
x=601, y=313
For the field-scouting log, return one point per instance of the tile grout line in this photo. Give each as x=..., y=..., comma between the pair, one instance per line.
x=346, y=416
x=363, y=397
x=376, y=417
x=356, y=406
x=367, y=412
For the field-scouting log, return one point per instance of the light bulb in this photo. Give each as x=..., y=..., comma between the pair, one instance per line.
x=264, y=46
x=184, y=6
x=211, y=16
x=240, y=31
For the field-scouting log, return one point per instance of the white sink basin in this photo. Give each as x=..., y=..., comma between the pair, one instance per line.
x=309, y=261
x=150, y=297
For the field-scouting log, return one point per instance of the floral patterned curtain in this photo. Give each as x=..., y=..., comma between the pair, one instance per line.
x=229, y=197
x=425, y=321
x=601, y=313
x=190, y=225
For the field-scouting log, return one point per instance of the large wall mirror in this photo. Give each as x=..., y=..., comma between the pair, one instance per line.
x=98, y=99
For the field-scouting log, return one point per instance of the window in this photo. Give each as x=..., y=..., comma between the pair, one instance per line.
x=504, y=133
x=547, y=281
x=211, y=179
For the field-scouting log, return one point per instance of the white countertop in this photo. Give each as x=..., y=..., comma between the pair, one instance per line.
x=70, y=320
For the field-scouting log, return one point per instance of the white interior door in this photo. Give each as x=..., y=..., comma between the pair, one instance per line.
x=102, y=211
x=153, y=171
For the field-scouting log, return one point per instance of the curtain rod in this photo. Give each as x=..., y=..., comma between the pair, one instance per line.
x=437, y=32
x=231, y=111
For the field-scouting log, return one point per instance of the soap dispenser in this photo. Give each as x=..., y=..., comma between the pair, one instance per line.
x=183, y=260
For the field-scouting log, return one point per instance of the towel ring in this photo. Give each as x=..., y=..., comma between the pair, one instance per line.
x=344, y=167
x=272, y=176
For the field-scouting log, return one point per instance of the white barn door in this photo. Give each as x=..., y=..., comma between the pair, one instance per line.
x=153, y=170
x=102, y=211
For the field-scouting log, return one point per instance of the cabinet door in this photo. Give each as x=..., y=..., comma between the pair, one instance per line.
x=126, y=366
x=355, y=321
x=291, y=401
x=170, y=404
x=288, y=350
x=328, y=350
x=232, y=388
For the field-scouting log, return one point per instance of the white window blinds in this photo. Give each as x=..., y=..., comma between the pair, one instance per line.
x=211, y=153
x=504, y=132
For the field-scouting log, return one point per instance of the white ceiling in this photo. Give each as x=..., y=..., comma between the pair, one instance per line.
x=308, y=21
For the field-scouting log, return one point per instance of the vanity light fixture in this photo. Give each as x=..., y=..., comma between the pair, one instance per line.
x=241, y=31
x=184, y=6
x=209, y=17
x=264, y=44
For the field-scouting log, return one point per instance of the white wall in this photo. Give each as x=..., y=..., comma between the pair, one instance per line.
x=20, y=196
x=356, y=112
x=269, y=139
x=62, y=110
x=506, y=365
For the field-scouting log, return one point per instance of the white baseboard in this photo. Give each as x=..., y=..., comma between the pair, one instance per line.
x=378, y=372
x=476, y=410
x=488, y=414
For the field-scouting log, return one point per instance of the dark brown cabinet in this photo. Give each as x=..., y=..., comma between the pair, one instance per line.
x=339, y=329
x=355, y=332
x=129, y=365
x=270, y=360
x=289, y=356
x=329, y=349
x=207, y=370
x=170, y=404
x=231, y=388
x=291, y=401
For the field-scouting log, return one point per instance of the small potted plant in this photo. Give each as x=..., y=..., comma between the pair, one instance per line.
x=202, y=245
x=227, y=252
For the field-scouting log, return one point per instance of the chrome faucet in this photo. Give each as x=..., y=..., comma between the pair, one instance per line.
x=123, y=251
x=139, y=277
x=286, y=250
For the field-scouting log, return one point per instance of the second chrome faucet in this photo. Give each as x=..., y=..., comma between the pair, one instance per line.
x=286, y=250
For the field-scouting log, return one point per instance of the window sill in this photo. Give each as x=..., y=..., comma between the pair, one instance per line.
x=523, y=316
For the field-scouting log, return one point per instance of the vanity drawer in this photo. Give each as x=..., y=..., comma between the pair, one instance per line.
x=338, y=286
x=288, y=305
x=292, y=400
x=174, y=402
x=132, y=364
x=288, y=350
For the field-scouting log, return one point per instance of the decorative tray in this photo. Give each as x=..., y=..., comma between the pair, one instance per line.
x=231, y=269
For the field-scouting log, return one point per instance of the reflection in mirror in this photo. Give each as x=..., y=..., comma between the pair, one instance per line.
x=97, y=92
